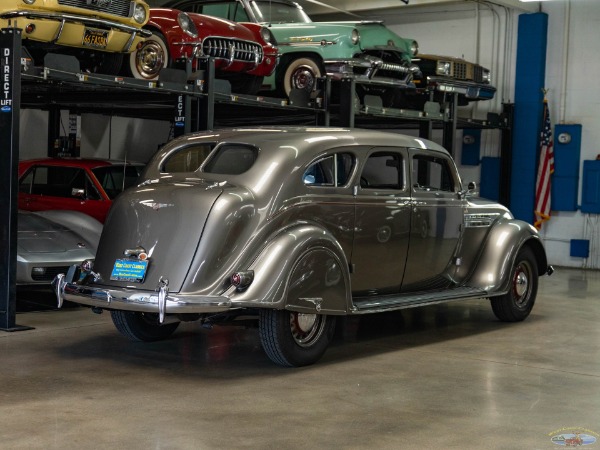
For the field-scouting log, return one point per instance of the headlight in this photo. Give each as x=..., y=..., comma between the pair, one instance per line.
x=266, y=34
x=355, y=36
x=187, y=25
x=29, y=2
x=443, y=68
x=414, y=48
x=486, y=76
x=139, y=13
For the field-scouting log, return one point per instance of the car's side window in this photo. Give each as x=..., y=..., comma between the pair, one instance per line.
x=333, y=170
x=65, y=182
x=430, y=173
x=114, y=179
x=187, y=159
x=383, y=170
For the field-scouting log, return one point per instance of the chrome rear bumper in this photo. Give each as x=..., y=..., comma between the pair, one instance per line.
x=160, y=302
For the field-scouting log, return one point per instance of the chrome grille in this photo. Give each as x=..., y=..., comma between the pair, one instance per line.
x=460, y=70
x=121, y=8
x=221, y=48
x=478, y=74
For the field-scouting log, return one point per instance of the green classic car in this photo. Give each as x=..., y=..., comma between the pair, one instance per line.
x=364, y=50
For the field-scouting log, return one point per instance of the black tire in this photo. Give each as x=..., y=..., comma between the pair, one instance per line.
x=146, y=62
x=141, y=326
x=300, y=73
x=516, y=304
x=293, y=339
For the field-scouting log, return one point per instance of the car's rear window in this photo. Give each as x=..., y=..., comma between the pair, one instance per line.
x=231, y=159
x=187, y=159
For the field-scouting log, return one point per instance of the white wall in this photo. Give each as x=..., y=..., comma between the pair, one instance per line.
x=101, y=136
x=122, y=138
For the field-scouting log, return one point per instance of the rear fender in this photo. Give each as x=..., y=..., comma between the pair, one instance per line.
x=493, y=269
x=302, y=269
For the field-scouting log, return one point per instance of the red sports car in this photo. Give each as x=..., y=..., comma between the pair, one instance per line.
x=85, y=185
x=244, y=53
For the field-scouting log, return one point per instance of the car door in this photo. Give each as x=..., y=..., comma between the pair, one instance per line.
x=436, y=222
x=45, y=188
x=382, y=223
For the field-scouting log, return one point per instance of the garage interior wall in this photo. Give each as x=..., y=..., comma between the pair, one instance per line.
x=482, y=32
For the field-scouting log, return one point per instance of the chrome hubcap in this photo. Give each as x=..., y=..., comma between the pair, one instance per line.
x=521, y=284
x=150, y=59
x=303, y=78
x=306, y=328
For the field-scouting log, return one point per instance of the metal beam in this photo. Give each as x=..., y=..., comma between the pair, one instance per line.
x=10, y=95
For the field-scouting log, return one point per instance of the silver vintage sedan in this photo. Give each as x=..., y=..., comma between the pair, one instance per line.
x=295, y=226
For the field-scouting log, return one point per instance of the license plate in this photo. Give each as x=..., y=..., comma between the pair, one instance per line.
x=95, y=38
x=128, y=270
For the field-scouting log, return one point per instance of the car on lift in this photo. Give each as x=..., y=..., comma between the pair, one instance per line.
x=87, y=185
x=364, y=50
x=446, y=76
x=295, y=227
x=48, y=242
x=97, y=32
x=244, y=53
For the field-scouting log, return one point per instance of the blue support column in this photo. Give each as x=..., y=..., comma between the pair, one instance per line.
x=531, y=73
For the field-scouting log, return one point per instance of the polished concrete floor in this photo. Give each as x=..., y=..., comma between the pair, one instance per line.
x=445, y=377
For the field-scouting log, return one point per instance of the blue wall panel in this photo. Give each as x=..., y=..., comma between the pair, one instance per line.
x=531, y=73
x=590, y=194
x=490, y=178
x=471, y=147
x=565, y=180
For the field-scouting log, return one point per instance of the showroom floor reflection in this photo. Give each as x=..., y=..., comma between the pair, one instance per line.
x=445, y=376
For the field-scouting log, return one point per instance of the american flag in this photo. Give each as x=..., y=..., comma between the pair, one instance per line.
x=545, y=170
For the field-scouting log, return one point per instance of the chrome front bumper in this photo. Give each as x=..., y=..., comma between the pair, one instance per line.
x=64, y=18
x=338, y=69
x=160, y=301
x=470, y=89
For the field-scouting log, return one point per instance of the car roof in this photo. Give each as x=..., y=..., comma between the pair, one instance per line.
x=314, y=139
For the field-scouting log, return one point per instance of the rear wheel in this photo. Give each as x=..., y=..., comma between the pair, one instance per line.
x=517, y=303
x=149, y=59
x=294, y=339
x=142, y=326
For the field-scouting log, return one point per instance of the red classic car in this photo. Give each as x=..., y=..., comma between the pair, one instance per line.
x=85, y=185
x=244, y=53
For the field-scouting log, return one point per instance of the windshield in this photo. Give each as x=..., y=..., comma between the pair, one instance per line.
x=114, y=179
x=275, y=12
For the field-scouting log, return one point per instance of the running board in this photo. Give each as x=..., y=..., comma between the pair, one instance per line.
x=365, y=305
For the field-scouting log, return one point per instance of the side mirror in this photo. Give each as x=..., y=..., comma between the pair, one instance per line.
x=471, y=189
x=77, y=192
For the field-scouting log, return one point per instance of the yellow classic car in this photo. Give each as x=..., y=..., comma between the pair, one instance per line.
x=98, y=32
